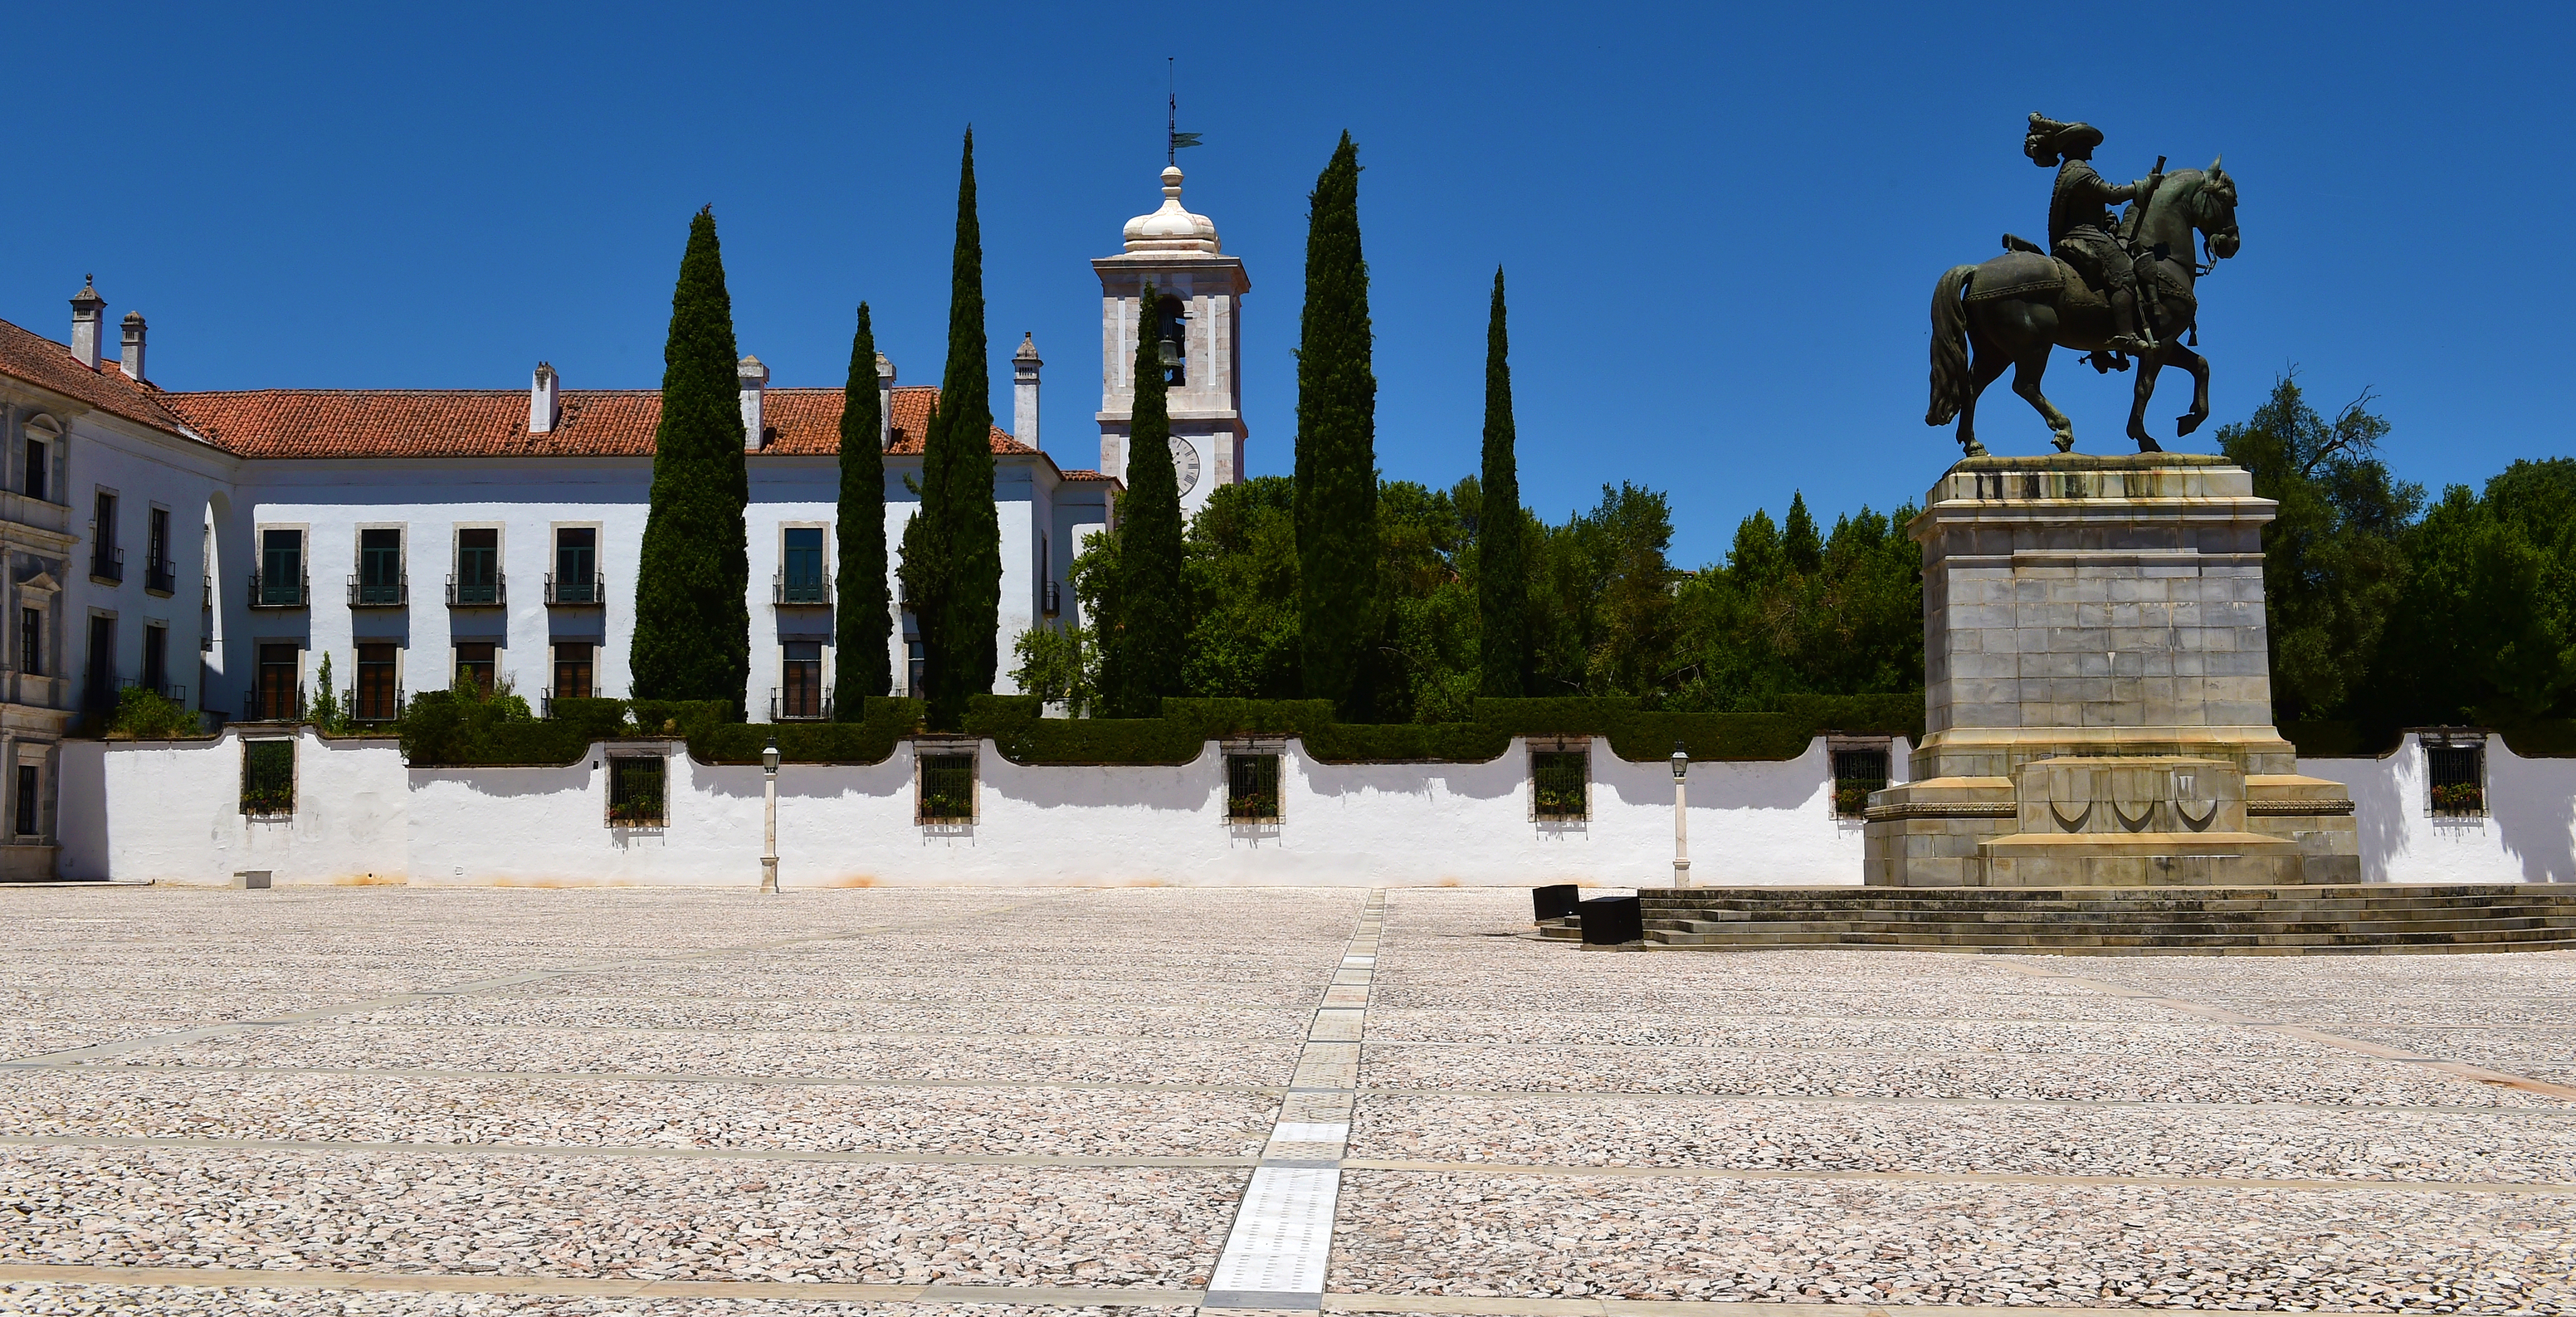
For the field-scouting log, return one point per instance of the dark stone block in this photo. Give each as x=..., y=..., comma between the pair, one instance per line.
x=1611, y=920
x=1554, y=902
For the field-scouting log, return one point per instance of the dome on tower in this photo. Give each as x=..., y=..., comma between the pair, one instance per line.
x=1172, y=229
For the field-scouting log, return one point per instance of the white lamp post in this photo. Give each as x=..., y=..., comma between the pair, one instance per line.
x=1681, y=816
x=769, y=804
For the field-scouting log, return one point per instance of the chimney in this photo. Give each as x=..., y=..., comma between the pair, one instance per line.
x=86, y=306
x=755, y=377
x=1024, y=391
x=885, y=403
x=133, y=358
x=545, y=400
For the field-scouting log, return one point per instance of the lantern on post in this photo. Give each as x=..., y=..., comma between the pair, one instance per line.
x=769, y=808
x=1681, y=816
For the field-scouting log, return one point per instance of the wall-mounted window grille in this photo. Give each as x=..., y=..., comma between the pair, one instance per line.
x=638, y=791
x=268, y=777
x=945, y=792
x=1252, y=788
x=2457, y=776
x=1561, y=784
x=1858, y=771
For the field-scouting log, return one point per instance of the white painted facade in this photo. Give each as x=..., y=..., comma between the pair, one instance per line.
x=170, y=812
x=2526, y=833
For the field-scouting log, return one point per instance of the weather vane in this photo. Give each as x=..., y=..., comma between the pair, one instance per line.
x=1172, y=121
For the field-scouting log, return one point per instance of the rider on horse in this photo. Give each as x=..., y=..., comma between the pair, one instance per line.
x=2080, y=229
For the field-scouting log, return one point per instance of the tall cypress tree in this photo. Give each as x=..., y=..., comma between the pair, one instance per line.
x=952, y=548
x=1337, y=543
x=863, y=624
x=1153, y=631
x=1799, y=543
x=1502, y=578
x=692, y=622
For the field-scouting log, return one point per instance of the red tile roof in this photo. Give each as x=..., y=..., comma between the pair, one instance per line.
x=494, y=423
x=40, y=361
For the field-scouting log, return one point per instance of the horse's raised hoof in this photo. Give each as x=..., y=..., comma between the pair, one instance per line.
x=2184, y=425
x=2150, y=446
x=1971, y=448
x=2065, y=442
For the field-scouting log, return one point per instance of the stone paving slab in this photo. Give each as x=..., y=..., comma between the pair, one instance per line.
x=859, y=1011
x=1771, y=1031
x=1645, y=995
x=84, y=1300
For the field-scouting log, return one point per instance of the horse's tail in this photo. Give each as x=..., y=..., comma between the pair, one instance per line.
x=1949, y=347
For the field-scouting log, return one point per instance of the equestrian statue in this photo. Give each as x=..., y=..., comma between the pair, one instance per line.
x=2112, y=290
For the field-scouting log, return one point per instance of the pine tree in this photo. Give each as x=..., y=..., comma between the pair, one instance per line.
x=692, y=621
x=864, y=625
x=1337, y=550
x=1502, y=576
x=1153, y=629
x=1799, y=543
x=952, y=548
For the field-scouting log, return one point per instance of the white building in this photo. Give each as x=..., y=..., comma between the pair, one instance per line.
x=421, y=537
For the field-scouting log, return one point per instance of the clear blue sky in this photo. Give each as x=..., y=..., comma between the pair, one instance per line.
x=1721, y=227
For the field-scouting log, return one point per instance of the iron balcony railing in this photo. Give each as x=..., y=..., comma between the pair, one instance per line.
x=800, y=704
x=396, y=593
x=279, y=706
x=173, y=693
x=375, y=707
x=802, y=591
x=576, y=591
x=493, y=593
x=160, y=578
x=268, y=591
x=107, y=564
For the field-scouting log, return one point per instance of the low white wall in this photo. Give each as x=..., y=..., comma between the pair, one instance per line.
x=2528, y=834
x=169, y=812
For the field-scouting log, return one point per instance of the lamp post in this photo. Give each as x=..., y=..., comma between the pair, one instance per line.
x=769, y=807
x=1681, y=816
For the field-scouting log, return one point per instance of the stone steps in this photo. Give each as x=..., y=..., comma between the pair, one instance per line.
x=2117, y=920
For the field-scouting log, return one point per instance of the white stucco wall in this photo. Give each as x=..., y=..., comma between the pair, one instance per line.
x=2527, y=835
x=169, y=812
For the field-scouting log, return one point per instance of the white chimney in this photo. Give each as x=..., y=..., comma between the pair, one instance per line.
x=545, y=400
x=885, y=403
x=755, y=377
x=1024, y=391
x=132, y=360
x=86, y=306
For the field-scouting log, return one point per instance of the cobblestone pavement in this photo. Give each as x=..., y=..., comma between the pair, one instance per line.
x=1067, y=1102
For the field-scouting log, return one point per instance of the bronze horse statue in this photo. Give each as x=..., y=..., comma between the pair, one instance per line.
x=2014, y=309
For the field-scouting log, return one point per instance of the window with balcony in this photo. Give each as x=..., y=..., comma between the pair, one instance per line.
x=106, y=561
x=159, y=576
x=637, y=792
x=800, y=683
x=576, y=579
x=27, y=801
x=477, y=665
x=572, y=669
x=268, y=777
x=477, y=582
x=279, y=582
x=1561, y=785
x=1252, y=788
x=278, y=694
x=156, y=659
x=800, y=573
x=381, y=582
x=31, y=641
x=379, y=693
x=38, y=453
x=102, y=663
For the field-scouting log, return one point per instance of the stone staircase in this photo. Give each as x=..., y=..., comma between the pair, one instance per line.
x=2278, y=921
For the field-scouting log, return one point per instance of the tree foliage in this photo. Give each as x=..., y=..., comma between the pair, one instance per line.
x=863, y=614
x=1501, y=555
x=2484, y=628
x=952, y=547
x=692, y=635
x=1147, y=652
x=1338, y=613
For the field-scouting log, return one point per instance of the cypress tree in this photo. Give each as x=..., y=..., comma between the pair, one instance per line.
x=1337, y=543
x=692, y=621
x=1502, y=578
x=952, y=548
x=1153, y=631
x=1799, y=543
x=863, y=626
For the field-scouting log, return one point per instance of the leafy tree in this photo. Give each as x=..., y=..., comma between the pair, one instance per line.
x=2485, y=628
x=952, y=547
x=1338, y=615
x=1150, y=646
x=1502, y=574
x=2334, y=561
x=1060, y=665
x=1241, y=570
x=692, y=636
x=862, y=661
x=1804, y=552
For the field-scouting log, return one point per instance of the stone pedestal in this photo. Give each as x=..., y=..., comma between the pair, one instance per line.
x=2097, y=691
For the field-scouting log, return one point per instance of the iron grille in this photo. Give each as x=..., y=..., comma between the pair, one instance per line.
x=1560, y=783
x=947, y=788
x=635, y=791
x=268, y=777
x=1252, y=788
x=2458, y=774
x=1856, y=774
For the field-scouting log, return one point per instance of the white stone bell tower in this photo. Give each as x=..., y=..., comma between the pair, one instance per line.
x=1200, y=290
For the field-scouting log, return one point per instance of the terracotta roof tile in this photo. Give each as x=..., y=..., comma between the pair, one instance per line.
x=40, y=361
x=1078, y=475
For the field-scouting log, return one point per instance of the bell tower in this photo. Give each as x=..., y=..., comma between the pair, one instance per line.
x=1199, y=291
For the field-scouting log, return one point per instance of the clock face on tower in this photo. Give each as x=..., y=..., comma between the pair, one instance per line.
x=1185, y=465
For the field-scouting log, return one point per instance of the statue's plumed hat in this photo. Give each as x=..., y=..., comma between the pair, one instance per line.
x=2048, y=139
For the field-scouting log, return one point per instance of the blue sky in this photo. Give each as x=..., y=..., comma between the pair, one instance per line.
x=1721, y=225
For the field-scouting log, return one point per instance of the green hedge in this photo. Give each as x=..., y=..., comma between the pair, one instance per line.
x=444, y=728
